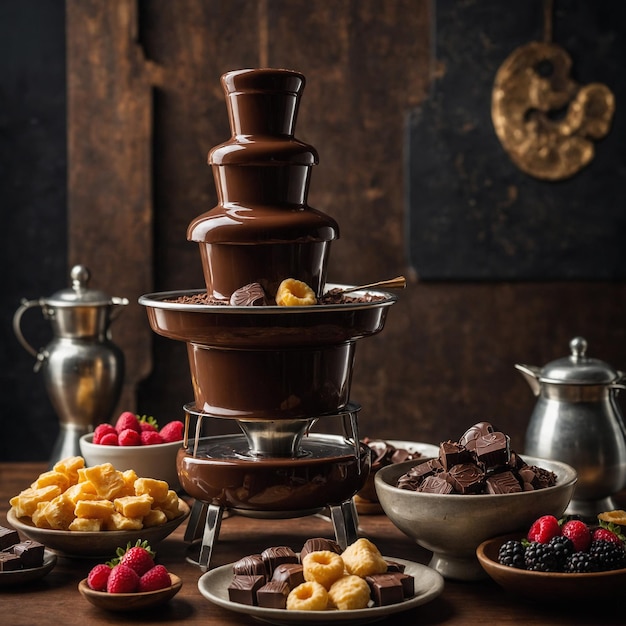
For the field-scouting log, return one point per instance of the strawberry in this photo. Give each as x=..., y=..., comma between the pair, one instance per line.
x=98, y=577
x=172, y=431
x=543, y=529
x=122, y=579
x=110, y=439
x=148, y=423
x=150, y=437
x=579, y=533
x=138, y=557
x=101, y=430
x=129, y=437
x=127, y=420
x=608, y=532
x=155, y=578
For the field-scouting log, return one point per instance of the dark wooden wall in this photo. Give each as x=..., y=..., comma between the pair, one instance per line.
x=144, y=108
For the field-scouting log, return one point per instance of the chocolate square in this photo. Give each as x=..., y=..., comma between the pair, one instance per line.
x=503, y=482
x=493, y=450
x=31, y=553
x=8, y=537
x=385, y=589
x=251, y=565
x=290, y=573
x=273, y=557
x=466, y=478
x=451, y=453
x=318, y=544
x=243, y=589
x=435, y=484
x=273, y=595
x=9, y=562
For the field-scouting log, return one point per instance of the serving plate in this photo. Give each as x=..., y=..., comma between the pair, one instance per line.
x=547, y=586
x=428, y=585
x=130, y=601
x=95, y=544
x=21, y=576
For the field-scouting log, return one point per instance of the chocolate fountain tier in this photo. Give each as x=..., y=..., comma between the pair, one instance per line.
x=268, y=362
x=222, y=472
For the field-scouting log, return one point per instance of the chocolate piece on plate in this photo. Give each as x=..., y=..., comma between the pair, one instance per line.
x=249, y=295
x=468, y=439
x=543, y=477
x=408, y=583
x=466, y=478
x=451, y=453
x=273, y=557
x=493, y=450
x=9, y=562
x=273, y=595
x=385, y=589
x=290, y=573
x=394, y=566
x=8, y=537
x=435, y=484
x=31, y=553
x=242, y=589
x=503, y=482
x=251, y=565
x=317, y=544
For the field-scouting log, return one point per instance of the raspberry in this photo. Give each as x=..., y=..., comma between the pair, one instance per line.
x=540, y=557
x=127, y=420
x=110, y=439
x=172, y=431
x=98, y=577
x=150, y=437
x=129, y=437
x=155, y=578
x=543, y=529
x=123, y=579
x=511, y=553
x=608, y=554
x=579, y=533
x=101, y=430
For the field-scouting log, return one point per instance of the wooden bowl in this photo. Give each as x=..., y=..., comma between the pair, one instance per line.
x=547, y=586
x=129, y=601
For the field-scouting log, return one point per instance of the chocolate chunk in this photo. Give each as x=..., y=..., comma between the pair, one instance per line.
x=249, y=295
x=468, y=439
x=273, y=595
x=435, y=484
x=9, y=562
x=385, y=589
x=8, y=537
x=542, y=477
x=243, y=589
x=31, y=553
x=251, y=565
x=273, y=557
x=466, y=478
x=290, y=573
x=394, y=566
x=408, y=584
x=451, y=453
x=503, y=482
x=317, y=544
x=493, y=450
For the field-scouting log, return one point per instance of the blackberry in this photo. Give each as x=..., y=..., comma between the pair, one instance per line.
x=608, y=555
x=563, y=548
x=511, y=553
x=540, y=557
x=581, y=563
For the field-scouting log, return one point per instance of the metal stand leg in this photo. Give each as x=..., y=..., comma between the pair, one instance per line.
x=196, y=520
x=345, y=522
x=211, y=532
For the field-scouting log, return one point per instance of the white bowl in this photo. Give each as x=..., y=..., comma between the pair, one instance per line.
x=151, y=461
x=452, y=526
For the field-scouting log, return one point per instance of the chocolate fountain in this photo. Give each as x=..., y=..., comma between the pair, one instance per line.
x=274, y=371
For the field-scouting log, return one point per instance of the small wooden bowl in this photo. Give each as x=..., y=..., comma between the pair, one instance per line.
x=130, y=601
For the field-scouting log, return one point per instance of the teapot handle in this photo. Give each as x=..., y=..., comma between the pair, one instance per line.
x=17, y=329
x=116, y=301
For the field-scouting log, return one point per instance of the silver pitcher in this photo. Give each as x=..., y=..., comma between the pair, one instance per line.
x=577, y=420
x=83, y=369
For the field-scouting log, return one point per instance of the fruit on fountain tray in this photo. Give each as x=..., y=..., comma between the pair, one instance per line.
x=567, y=545
x=133, y=430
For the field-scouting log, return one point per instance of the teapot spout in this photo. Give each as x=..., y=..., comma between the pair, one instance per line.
x=531, y=374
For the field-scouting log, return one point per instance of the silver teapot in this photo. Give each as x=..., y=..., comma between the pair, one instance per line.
x=83, y=369
x=577, y=420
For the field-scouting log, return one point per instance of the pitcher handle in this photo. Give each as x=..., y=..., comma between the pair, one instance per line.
x=117, y=301
x=17, y=329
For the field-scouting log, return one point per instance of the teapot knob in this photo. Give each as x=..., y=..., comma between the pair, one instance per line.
x=578, y=347
x=80, y=276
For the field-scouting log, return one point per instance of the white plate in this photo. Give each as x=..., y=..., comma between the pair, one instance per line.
x=21, y=576
x=428, y=585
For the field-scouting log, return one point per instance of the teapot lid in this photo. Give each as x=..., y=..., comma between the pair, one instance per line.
x=79, y=293
x=578, y=368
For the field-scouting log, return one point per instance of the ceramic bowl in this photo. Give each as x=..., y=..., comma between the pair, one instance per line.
x=21, y=577
x=452, y=526
x=95, y=544
x=130, y=601
x=547, y=586
x=154, y=461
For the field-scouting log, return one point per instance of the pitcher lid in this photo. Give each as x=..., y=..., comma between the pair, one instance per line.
x=79, y=294
x=578, y=368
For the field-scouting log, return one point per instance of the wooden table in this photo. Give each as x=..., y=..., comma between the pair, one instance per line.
x=56, y=596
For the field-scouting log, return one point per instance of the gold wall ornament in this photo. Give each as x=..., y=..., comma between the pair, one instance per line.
x=545, y=120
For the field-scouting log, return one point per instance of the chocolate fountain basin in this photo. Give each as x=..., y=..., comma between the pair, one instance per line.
x=268, y=362
x=327, y=471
